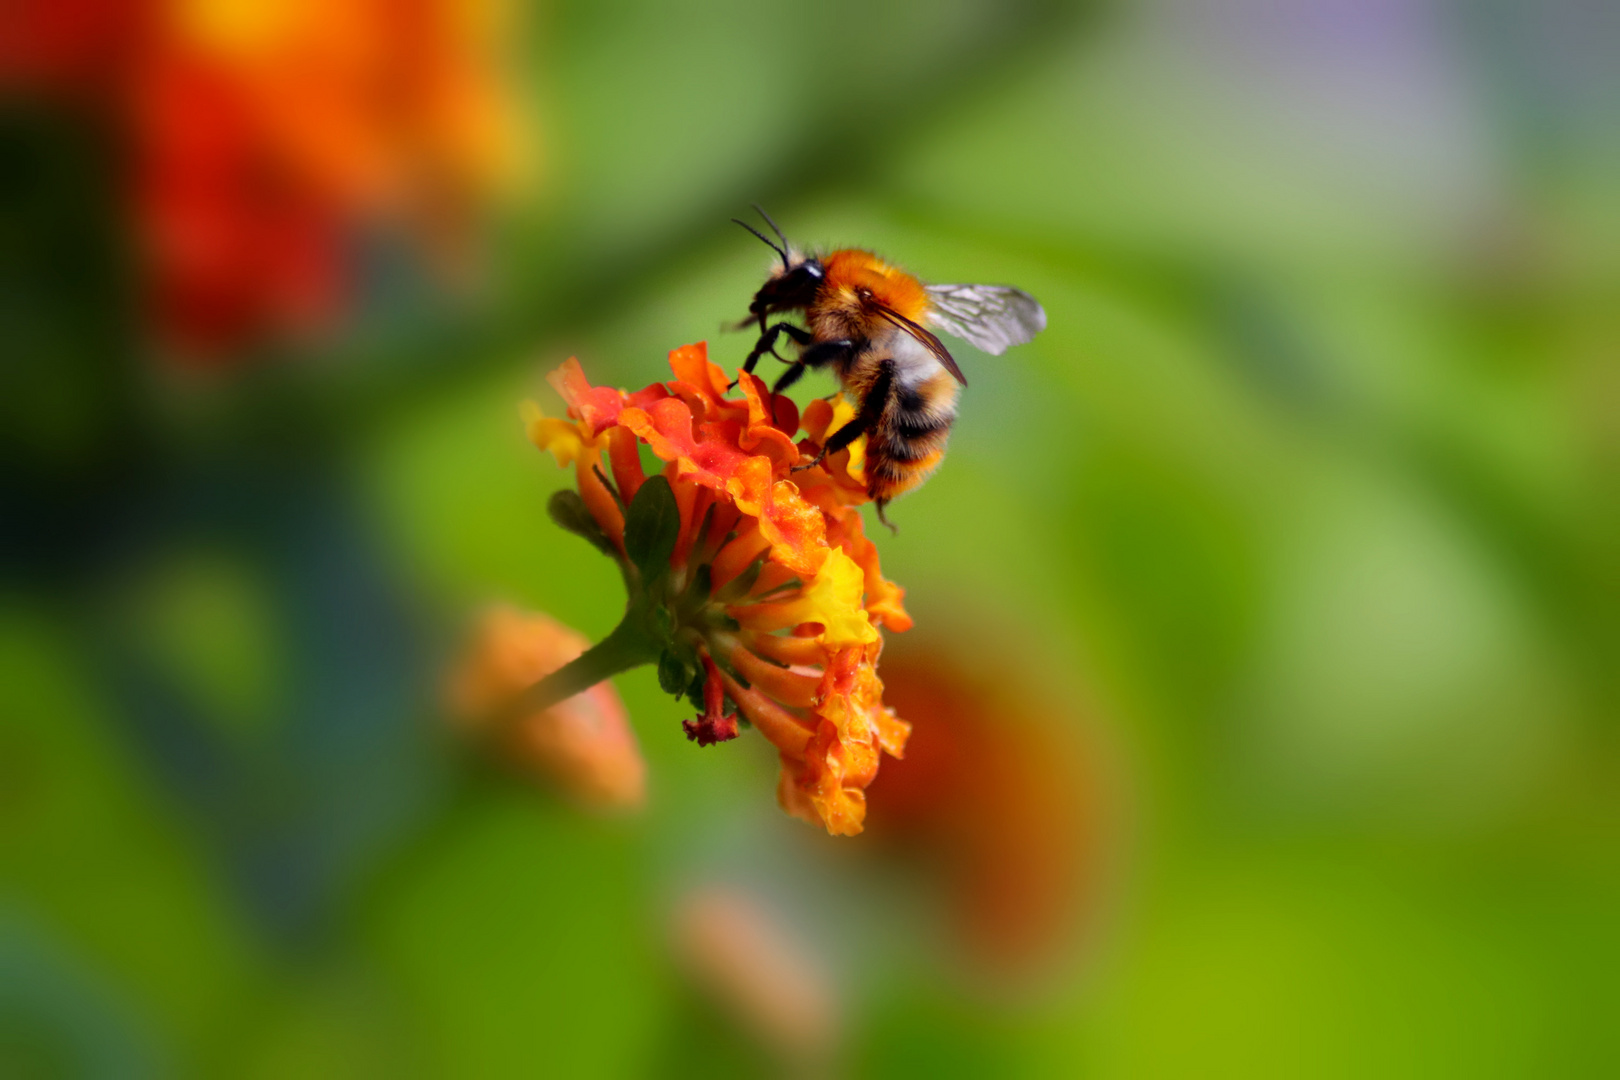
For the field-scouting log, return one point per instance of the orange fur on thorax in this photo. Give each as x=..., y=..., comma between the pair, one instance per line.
x=853, y=269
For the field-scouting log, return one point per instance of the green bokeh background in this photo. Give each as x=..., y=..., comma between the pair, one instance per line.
x=1308, y=493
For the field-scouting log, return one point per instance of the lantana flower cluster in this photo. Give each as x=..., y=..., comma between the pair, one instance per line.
x=750, y=576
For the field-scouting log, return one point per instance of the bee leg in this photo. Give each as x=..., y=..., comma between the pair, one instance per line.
x=802, y=337
x=891, y=526
x=877, y=396
x=840, y=439
x=827, y=352
x=792, y=375
x=767, y=344
x=815, y=356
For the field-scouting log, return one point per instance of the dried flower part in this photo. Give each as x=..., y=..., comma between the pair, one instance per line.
x=757, y=580
x=715, y=725
x=583, y=744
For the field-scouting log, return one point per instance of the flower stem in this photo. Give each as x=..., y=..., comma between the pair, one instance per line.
x=628, y=646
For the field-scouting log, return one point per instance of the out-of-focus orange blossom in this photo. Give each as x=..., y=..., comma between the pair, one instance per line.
x=583, y=745
x=1004, y=794
x=263, y=138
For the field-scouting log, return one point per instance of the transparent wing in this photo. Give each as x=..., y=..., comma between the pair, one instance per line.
x=993, y=317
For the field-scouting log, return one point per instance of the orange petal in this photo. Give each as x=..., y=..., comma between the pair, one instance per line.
x=596, y=407
x=667, y=427
x=624, y=453
x=841, y=810
x=791, y=797
x=787, y=686
x=760, y=435
x=690, y=363
x=693, y=501
x=598, y=499
x=797, y=531
x=787, y=732
x=893, y=734
x=737, y=555
x=832, y=599
x=884, y=599
x=805, y=652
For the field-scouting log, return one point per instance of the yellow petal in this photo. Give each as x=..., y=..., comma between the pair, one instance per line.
x=843, y=413
x=833, y=599
x=564, y=438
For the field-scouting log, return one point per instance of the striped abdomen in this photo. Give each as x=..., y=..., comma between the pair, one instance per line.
x=908, y=441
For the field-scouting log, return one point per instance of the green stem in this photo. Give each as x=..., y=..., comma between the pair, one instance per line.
x=629, y=646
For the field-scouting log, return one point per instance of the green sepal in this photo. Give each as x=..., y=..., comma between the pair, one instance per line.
x=694, y=693
x=652, y=524
x=697, y=592
x=719, y=620
x=661, y=623
x=569, y=511
x=702, y=550
x=674, y=672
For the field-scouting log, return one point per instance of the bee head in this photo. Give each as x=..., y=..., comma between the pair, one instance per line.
x=790, y=288
x=793, y=286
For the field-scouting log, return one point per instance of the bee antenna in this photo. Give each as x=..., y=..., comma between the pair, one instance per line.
x=782, y=251
x=777, y=229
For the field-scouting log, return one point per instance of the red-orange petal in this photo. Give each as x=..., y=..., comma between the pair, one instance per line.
x=597, y=407
x=787, y=732
x=598, y=499
x=761, y=435
x=690, y=363
x=624, y=453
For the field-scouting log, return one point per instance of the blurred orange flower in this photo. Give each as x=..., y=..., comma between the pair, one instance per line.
x=771, y=594
x=584, y=744
x=1025, y=859
x=263, y=136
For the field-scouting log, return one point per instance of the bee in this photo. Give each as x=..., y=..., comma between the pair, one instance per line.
x=868, y=321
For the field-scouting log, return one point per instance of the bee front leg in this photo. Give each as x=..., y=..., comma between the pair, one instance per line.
x=792, y=375
x=817, y=355
x=767, y=344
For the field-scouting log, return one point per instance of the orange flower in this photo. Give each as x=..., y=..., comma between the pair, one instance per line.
x=264, y=137
x=1027, y=861
x=584, y=744
x=759, y=582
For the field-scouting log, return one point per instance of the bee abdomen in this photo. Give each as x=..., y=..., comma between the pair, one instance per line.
x=907, y=445
x=903, y=448
x=888, y=476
